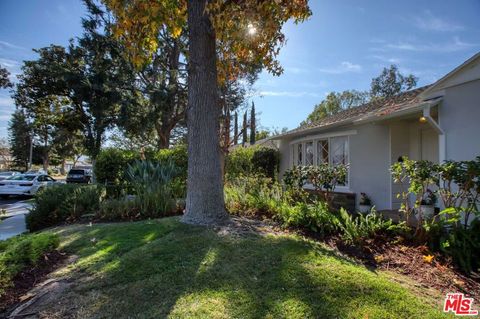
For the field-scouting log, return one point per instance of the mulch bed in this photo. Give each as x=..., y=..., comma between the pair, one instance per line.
x=28, y=278
x=401, y=257
x=412, y=261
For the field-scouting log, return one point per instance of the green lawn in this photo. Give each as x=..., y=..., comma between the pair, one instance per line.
x=162, y=268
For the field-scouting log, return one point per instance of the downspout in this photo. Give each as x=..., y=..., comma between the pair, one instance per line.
x=441, y=134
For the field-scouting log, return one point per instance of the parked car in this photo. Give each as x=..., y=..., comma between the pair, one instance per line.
x=79, y=175
x=24, y=184
x=40, y=171
x=5, y=175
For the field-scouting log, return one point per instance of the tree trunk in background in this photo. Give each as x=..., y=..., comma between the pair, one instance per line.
x=205, y=203
x=62, y=168
x=163, y=133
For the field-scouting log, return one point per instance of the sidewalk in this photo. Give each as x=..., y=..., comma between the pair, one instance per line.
x=14, y=224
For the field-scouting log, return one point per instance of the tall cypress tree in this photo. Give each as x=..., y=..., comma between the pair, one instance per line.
x=235, y=129
x=244, y=130
x=252, y=125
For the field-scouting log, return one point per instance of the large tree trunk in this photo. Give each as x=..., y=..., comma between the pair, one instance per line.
x=205, y=203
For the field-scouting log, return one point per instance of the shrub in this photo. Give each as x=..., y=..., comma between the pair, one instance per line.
x=118, y=209
x=356, y=229
x=324, y=178
x=22, y=251
x=316, y=217
x=252, y=161
x=152, y=184
x=176, y=155
x=63, y=203
x=252, y=195
x=420, y=176
x=458, y=185
x=239, y=162
x=266, y=161
x=110, y=167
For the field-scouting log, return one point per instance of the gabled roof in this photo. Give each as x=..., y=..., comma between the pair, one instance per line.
x=376, y=108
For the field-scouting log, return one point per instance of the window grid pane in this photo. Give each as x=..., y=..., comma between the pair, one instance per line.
x=339, y=155
x=309, y=153
x=322, y=152
x=299, y=154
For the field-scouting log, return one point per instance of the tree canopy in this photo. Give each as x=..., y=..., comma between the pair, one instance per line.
x=226, y=39
x=389, y=83
x=4, y=78
x=336, y=102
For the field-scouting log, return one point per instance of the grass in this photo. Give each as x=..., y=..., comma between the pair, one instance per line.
x=162, y=268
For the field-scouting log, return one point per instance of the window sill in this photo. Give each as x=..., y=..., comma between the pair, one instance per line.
x=338, y=189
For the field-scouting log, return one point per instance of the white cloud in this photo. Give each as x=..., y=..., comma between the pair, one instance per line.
x=8, y=45
x=455, y=44
x=288, y=93
x=429, y=22
x=344, y=67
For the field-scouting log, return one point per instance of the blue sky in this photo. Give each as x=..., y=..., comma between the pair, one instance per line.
x=343, y=46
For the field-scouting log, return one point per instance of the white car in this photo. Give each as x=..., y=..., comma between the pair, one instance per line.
x=25, y=184
x=5, y=175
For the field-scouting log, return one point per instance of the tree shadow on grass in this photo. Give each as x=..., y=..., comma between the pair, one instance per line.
x=168, y=269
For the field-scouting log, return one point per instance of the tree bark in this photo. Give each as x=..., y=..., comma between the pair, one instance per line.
x=163, y=133
x=62, y=168
x=205, y=202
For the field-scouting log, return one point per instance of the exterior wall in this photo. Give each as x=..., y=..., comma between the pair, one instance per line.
x=400, y=146
x=369, y=155
x=370, y=163
x=459, y=117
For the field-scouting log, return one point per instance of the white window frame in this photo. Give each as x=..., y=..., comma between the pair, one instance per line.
x=315, y=139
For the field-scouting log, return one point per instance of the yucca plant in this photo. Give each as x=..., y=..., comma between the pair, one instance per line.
x=152, y=184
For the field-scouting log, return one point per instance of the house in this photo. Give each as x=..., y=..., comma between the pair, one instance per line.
x=437, y=122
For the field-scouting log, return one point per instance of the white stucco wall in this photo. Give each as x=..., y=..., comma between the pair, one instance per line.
x=369, y=161
x=459, y=117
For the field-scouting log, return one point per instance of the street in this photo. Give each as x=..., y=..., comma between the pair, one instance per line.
x=14, y=221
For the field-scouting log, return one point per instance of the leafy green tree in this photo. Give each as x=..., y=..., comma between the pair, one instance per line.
x=260, y=135
x=4, y=79
x=161, y=93
x=19, y=133
x=216, y=28
x=336, y=102
x=90, y=76
x=68, y=140
x=391, y=82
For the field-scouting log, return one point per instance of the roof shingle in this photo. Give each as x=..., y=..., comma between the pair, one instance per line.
x=377, y=107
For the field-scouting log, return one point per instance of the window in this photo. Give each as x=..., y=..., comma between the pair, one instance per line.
x=299, y=154
x=309, y=153
x=339, y=150
x=322, y=151
x=333, y=150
